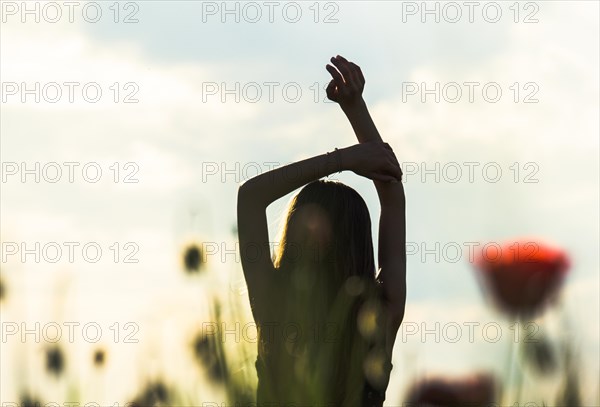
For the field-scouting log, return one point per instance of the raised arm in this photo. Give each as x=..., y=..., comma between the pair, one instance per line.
x=372, y=160
x=346, y=89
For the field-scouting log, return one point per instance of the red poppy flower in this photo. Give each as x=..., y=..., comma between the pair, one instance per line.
x=523, y=276
x=473, y=391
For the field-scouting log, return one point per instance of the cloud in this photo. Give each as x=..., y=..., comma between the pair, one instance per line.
x=171, y=131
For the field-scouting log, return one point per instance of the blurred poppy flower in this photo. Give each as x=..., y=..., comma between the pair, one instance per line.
x=522, y=277
x=208, y=349
x=99, y=356
x=210, y=355
x=153, y=395
x=55, y=360
x=28, y=400
x=193, y=258
x=473, y=391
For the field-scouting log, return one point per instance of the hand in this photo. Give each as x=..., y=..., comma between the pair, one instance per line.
x=374, y=160
x=347, y=85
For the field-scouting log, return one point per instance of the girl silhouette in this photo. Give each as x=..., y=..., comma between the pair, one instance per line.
x=326, y=321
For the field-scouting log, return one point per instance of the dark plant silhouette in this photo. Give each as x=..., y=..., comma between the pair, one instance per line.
x=209, y=355
x=570, y=393
x=55, y=360
x=28, y=400
x=154, y=394
x=193, y=258
x=540, y=354
x=99, y=357
x=209, y=352
x=2, y=289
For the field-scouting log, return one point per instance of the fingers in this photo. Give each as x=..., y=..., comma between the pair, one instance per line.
x=342, y=65
x=348, y=81
x=355, y=78
x=349, y=70
x=351, y=76
x=337, y=77
x=390, y=167
x=397, y=172
x=376, y=160
x=391, y=154
x=355, y=72
x=393, y=166
x=330, y=91
x=359, y=73
x=395, y=160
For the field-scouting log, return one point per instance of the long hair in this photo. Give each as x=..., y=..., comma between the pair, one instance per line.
x=326, y=261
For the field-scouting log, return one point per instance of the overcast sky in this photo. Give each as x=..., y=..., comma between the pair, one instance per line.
x=190, y=143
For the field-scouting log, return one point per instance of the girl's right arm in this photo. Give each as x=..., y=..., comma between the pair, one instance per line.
x=346, y=89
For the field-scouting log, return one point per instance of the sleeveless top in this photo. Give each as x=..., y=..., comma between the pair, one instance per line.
x=281, y=383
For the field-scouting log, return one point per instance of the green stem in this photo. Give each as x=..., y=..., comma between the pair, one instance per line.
x=509, y=372
x=519, y=372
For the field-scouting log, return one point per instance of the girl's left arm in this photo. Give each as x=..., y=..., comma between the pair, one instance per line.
x=254, y=196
